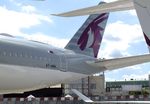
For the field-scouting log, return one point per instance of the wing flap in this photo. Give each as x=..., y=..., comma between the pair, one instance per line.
x=103, y=8
x=120, y=62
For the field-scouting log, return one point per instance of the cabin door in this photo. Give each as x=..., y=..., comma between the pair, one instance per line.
x=63, y=63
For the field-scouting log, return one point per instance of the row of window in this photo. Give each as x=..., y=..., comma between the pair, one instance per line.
x=24, y=55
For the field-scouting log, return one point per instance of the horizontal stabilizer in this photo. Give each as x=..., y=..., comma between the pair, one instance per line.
x=120, y=62
x=103, y=8
x=83, y=97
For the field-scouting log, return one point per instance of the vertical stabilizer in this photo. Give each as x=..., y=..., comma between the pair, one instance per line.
x=88, y=38
x=143, y=11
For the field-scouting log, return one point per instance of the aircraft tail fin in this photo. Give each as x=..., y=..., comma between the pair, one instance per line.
x=88, y=38
x=142, y=8
x=143, y=11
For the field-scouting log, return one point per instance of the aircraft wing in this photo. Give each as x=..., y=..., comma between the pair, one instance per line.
x=103, y=8
x=110, y=64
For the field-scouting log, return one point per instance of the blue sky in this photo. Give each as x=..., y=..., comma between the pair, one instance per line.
x=31, y=19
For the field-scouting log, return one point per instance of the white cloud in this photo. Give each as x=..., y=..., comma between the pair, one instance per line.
x=129, y=77
x=126, y=76
x=109, y=79
x=136, y=76
x=135, y=67
x=118, y=37
x=12, y=22
x=28, y=9
x=48, y=39
x=15, y=2
x=125, y=32
x=132, y=12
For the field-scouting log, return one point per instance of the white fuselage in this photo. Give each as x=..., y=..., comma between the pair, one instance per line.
x=27, y=65
x=18, y=79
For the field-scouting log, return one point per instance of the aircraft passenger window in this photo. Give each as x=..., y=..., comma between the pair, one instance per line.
x=40, y=58
x=35, y=57
x=10, y=54
x=50, y=52
x=26, y=55
x=53, y=66
x=21, y=55
x=4, y=53
x=44, y=58
x=15, y=54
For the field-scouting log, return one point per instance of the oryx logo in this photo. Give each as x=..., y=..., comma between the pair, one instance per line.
x=94, y=29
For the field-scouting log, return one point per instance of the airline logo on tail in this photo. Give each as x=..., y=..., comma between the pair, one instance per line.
x=94, y=29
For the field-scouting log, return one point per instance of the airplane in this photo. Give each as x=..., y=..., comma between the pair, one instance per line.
x=27, y=65
x=142, y=8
